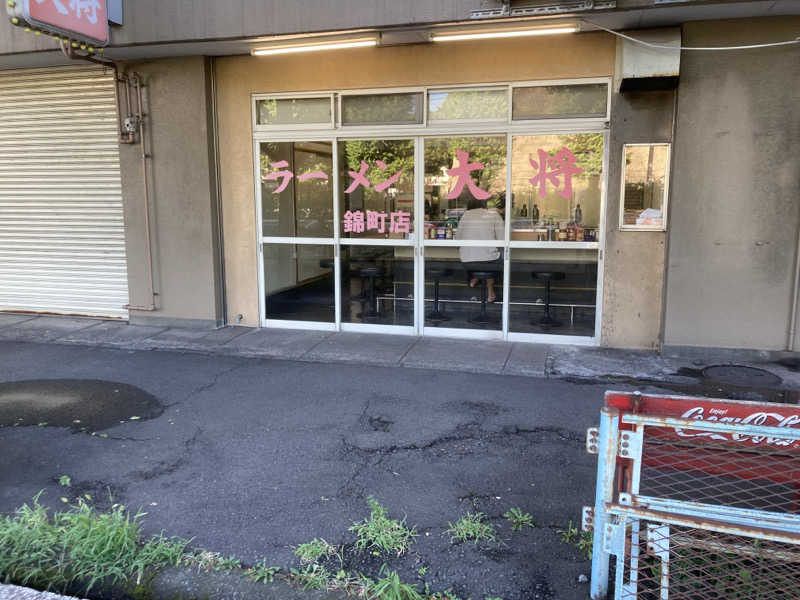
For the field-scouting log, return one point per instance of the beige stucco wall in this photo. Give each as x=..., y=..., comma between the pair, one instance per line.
x=633, y=268
x=735, y=211
x=182, y=199
x=581, y=55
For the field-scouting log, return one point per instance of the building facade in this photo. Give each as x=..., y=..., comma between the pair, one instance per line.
x=462, y=169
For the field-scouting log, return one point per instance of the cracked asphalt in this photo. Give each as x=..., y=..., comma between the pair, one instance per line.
x=251, y=457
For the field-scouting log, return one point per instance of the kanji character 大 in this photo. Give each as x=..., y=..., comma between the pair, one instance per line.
x=386, y=182
x=354, y=222
x=59, y=5
x=359, y=178
x=376, y=220
x=462, y=173
x=399, y=222
x=284, y=175
x=562, y=163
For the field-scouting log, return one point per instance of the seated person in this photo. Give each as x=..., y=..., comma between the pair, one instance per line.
x=479, y=223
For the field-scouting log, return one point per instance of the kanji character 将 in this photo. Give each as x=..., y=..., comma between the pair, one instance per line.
x=354, y=222
x=376, y=220
x=284, y=175
x=462, y=173
x=359, y=177
x=387, y=182
x=85, y=7
x=551, y=168
x=399, y=222
x=312, y=175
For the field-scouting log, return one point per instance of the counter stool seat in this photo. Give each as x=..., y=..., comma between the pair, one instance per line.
x=547, y=319
x=483, y=317
x=436, y=315
x=370, y=272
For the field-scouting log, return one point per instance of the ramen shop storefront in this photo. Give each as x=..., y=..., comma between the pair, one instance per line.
x=461, y=209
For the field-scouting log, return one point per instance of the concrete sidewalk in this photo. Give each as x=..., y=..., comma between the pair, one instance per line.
x=475, y=356
x=13, y=592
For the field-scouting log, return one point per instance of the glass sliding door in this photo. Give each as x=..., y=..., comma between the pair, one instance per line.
x=555, y=223
x=297, y=233
x=464, y=236
x=377, y=234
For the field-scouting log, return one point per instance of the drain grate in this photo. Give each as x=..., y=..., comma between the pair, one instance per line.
x=742, y=376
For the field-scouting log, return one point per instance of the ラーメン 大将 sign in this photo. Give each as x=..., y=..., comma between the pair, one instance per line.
x=80, y=20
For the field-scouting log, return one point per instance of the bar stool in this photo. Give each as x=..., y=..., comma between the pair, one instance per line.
x=483, y=317
x=436, y=315
x=370, y=272
x=548, y=276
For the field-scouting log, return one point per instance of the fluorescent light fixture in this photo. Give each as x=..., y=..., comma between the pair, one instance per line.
x=502, y=33
x=287, y=49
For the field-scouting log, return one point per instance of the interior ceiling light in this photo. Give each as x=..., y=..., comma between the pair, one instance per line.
x=333, y=45
x=501, y=33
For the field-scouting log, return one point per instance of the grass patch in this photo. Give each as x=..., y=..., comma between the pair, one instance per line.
x=582, y=540
x=382, y=533
x=389, y=587
x=471, y=527
x=79, y=547
x=311, y=552
x=518, y=518
x=262, y=572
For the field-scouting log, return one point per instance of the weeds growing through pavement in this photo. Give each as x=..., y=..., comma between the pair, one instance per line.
x=471, y=527
x=389, y=587
x=65, y=481
x=382, y=533
x=582, y=540
x=311, y=552
x=518, y=518
x=79, y=546
x=262, y=572
x=310, y=577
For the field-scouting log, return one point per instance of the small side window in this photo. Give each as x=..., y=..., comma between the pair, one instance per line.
x=645, y=179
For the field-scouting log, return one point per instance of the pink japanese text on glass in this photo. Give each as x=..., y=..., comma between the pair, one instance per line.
x=286, y=176
x=552, y=168
x=463, y=177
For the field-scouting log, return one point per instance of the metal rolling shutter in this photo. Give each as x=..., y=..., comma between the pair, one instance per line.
x=62, y=239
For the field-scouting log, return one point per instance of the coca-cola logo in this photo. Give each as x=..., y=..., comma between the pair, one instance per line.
x=767, y=419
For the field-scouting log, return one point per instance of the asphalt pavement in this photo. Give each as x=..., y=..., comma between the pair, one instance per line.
x=251, y=457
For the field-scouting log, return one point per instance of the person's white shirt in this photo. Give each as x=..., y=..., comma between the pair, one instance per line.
x=480, y=224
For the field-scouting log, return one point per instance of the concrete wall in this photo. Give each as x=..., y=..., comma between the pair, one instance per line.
x=182, y=184
x=735, y=207
x=154, y=21
x=584, y=55
x=634, y=260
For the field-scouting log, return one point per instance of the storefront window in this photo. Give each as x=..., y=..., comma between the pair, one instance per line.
x=378, y=285
x=296, y=189
x=465, y=174
x=556, y=183
x=377, y=185
x=463, y=287
x=553, y=291
x=467, y=105
x=560, y=101
x=294, y=111
x=382, y=109
x=645, y=169
x=299, y=282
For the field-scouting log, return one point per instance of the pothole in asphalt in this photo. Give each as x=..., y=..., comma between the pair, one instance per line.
x=80, y=404
x=741, y=375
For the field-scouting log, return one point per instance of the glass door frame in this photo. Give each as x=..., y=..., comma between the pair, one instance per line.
x=418, y=134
